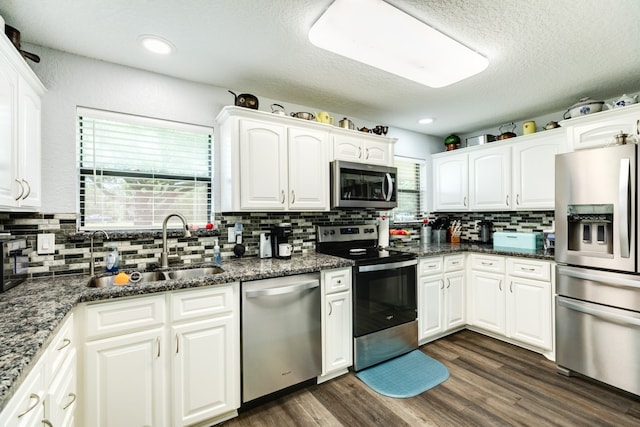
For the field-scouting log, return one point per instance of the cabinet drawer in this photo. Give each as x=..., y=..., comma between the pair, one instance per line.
x=117, y=317
x=337, y=280
x=203, y=302
x=453, y=262
x=431, y=265
x=61, y=346
x=529, y=269
x=491, y=263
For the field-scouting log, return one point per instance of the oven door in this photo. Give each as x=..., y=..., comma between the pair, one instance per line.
x=356, y=185
x=384, y=296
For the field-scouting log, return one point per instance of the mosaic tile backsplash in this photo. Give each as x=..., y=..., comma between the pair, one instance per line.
x=141, y=250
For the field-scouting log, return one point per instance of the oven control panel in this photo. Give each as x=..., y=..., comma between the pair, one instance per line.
x=347, y=233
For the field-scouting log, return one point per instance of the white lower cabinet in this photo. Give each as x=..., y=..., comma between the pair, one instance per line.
x=513, y=297
x=170, y=360
x=26, y=407
x=441, y=296
x=337, y=331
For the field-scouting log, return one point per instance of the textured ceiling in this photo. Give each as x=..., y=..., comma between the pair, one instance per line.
x=543, y=54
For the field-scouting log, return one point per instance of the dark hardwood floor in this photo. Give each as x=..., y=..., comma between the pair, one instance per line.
x=491, y=383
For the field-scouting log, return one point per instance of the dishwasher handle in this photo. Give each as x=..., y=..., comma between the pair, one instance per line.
x=282, y=290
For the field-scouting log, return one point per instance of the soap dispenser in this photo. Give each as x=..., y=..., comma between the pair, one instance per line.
x=217, y=257
x=112, y=258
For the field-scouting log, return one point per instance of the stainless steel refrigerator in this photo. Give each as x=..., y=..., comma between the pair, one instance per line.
x=598, y=282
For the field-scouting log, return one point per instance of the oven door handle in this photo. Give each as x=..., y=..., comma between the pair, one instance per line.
x=389, y=266
x=582, y=307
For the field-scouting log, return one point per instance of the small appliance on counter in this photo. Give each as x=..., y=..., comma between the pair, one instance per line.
x=485, y=231
x=280, y=246
x=15, y=261
x=265, y=245
x=517, y=241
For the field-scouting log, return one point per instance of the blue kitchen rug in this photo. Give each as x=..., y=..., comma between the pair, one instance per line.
x=405, y=376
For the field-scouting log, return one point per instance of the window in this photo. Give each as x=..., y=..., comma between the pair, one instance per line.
x=411, y=186
x=134, y=170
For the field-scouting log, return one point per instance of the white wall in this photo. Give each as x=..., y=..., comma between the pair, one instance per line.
x=73, y=81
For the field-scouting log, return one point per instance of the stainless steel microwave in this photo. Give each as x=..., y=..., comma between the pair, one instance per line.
x=358, y=185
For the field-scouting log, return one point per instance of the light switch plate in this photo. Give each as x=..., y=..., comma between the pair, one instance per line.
x=46, y=243
x=231, y=235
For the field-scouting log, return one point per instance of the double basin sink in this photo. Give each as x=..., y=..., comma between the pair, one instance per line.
x=137, y=277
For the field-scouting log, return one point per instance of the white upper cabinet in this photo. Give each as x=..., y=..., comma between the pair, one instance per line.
x=363, y=148
x=451, y=182
x=517, y=174
x=490, y=179
x=20, y=112
x=599, y=129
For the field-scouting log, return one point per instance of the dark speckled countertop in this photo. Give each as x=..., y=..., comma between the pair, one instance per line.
x=423, y=250
x=33, y=311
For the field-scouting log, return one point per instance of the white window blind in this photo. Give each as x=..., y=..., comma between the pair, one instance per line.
x=411, y=189
x=134, y=171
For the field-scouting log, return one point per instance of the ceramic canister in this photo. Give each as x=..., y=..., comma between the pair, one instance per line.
x=528, y=127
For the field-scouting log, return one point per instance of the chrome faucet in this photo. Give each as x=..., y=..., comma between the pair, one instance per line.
x=91, y=261
x=164, y=257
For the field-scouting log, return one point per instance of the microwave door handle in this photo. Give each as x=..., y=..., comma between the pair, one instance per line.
x=389, y=181
x=623, y=198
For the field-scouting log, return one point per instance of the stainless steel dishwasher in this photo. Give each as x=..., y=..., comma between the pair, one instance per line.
x=281, y=336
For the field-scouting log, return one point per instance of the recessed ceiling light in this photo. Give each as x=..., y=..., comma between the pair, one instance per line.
x=156, y=44
x=378, y=34
x=426, y=120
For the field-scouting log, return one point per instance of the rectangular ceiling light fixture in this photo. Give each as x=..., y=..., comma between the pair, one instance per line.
x=378, y=34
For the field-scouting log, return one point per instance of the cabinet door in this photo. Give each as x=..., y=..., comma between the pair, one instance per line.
x=203, y=379
x=431, y=306
x=347, y=148
x=29, y=146
x=8, y=134
x=63, y=395
x=529, y=312
x=378, y=152
x=26, y=406
x=490, y=179
x=600, y=129
x=308, y=169
x=263, y=166
x=454, y=292
x=487, y=301
x=533, y=173
x=337, y=333
x=451, y=182
x=127, y=384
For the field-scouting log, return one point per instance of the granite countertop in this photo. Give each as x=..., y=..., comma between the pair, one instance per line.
x=433, y=249
x=33, y=311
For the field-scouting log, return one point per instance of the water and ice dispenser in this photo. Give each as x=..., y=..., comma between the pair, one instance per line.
x=590, y=228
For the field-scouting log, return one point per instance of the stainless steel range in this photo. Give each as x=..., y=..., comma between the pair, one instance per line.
x=384, y=293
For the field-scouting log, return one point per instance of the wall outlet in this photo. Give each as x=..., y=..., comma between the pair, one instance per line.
x=46, y=243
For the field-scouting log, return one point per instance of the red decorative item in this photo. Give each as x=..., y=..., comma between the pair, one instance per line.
x=209, y=226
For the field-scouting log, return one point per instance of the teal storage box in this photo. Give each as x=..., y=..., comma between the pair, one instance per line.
x=514, y=240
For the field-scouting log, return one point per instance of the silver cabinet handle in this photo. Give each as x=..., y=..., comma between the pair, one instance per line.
x=21, y=189
x=293, y=196
x=282, y=195
x=283, y=289
x=359, y=152
x=65, y=343
x=330, y=308
x=47, y=423
x=448, y=283
x=73, y=399
x=486, y=263
x=518, y=199
x=366, y=151
x=527, y=269
x=35, y=397
x=28, y=189
x=441, y=284
x=158, y=344
x=500, y=285
x=511, y=287
x=464, y=201
x=339, y=281
x=507, y=200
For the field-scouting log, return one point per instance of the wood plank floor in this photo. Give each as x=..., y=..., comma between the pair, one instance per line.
x=491, y=383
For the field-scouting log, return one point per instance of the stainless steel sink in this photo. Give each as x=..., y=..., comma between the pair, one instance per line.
x=189, y=273
x=135, y=277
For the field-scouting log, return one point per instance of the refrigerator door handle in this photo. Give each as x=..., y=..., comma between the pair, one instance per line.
x=623, y=197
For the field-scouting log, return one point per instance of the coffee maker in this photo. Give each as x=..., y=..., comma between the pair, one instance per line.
x=281, y=248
